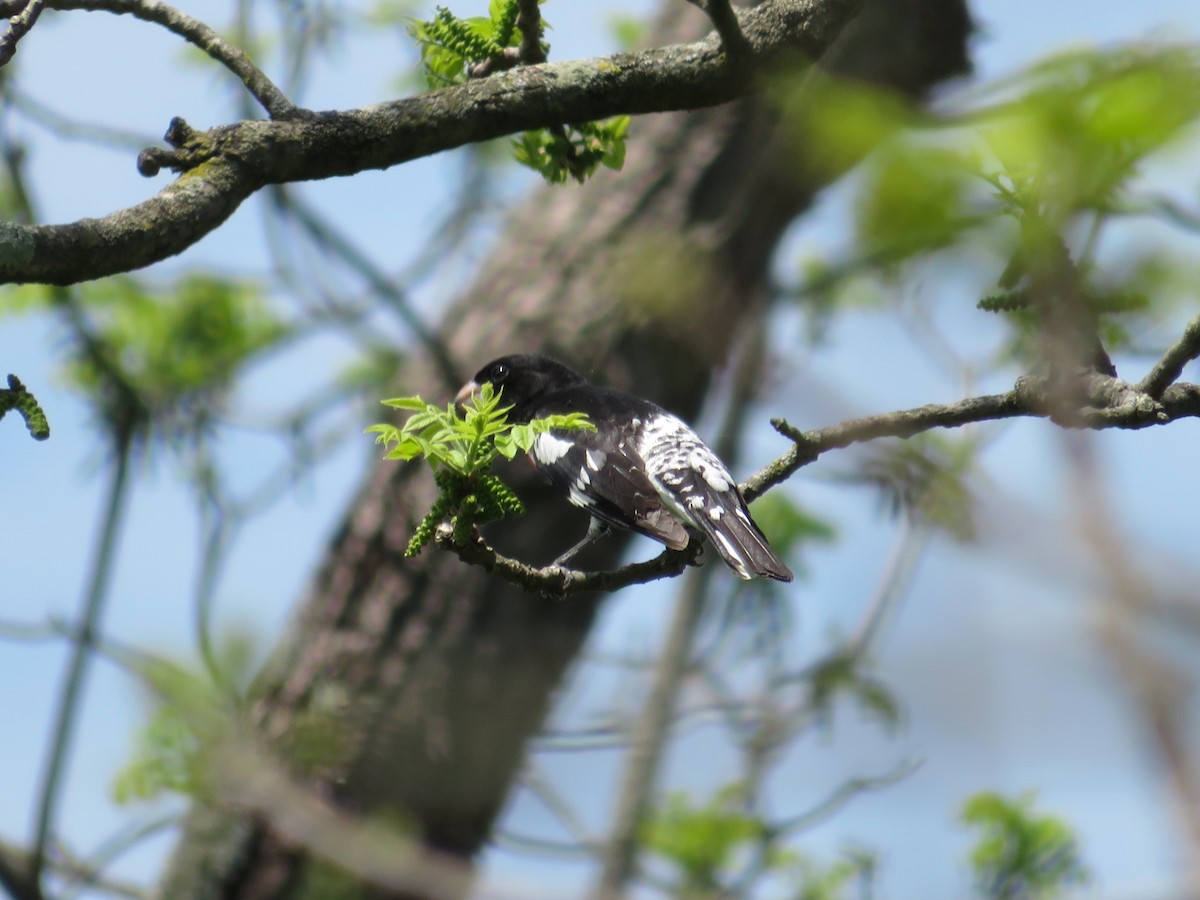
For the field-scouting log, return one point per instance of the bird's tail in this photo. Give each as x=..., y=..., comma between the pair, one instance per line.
x=742, y=544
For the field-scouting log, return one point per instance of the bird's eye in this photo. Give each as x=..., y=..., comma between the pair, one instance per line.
x=498, y=374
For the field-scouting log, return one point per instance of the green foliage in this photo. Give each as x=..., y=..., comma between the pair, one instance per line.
x=170, y=750
x=575, y=151
x=165, y=759
x=1057, y=150
x=701, y=842
x=1086, y=121
x=845, y=119
x=166, y=357
x=925, y=477
x=916, y=201
x=844, y=674
x=787, y=526
x=17, y=396
x=718, y=849
x=182, y=346
x=834, y=880
x=450, y=45
x=628, y=31
x=460, y=447
x=191, y=716
x=1021, y=855
x=451, y=48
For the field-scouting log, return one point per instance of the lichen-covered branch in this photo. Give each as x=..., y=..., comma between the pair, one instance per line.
x=19, y=24
x=560, y=580
x=225, y=165
x=1170, y=366
x=1112, y=403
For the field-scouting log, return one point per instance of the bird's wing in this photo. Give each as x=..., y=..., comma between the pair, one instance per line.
x=602, y=472
x=695, y=485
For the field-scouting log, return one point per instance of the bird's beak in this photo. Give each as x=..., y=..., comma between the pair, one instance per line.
x=465, y=393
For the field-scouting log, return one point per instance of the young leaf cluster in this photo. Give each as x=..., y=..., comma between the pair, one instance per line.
x=163, y=355
x=17, y=397
x=166, y=758
x=701, y=842
x=450, y=45
x=1057, y=150
x=1021, y=854
x=574, y=151
x=460, y=448
x=454, y=49
x=843, y=674
x=718, y=848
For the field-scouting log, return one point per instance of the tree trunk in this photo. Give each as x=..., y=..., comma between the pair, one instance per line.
x=428, y=676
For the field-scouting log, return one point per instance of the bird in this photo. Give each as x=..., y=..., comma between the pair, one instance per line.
x=642, y=469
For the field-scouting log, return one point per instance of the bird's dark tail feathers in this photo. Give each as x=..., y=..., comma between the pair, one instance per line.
x=742, y=545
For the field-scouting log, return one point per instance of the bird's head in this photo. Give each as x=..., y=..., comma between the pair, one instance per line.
x=521, y=380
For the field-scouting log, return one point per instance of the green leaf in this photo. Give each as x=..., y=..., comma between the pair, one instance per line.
x=700, y=841
x=1021, y=854
x=412, y=404
x=460, y=444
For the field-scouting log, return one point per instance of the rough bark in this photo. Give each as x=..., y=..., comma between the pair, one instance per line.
x=435, y=674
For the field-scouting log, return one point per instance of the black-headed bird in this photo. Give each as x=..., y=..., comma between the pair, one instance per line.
x=642, y=469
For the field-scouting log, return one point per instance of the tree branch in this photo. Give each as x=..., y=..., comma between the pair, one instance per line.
x=225, y=165
x=529, y=23
x=1168, y=369
x=1112, y=404
x=16, y=874
x=66, y=717
x=560, y=580
x=725, y=20
x=194, y=32
x=19, y=25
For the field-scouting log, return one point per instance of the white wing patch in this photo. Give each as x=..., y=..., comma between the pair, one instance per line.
x=673, y=451
x=733, y=557
x=579, y=498
x=715, y=475
x=549, y=449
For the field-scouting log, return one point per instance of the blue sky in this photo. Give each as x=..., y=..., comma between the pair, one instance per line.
x=1016, y=631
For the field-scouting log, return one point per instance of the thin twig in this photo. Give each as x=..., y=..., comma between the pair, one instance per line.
x=654, y=727
x=1170, y=366
x=842, y=795
x=1157, y=686
x=558, y=805
x=558, y=579
x=216, y=537
x=319, y=229
x=907, y=550
x=524, y=843
x=724, y=19
x=88, y=872
x=270, y=97
x=19, y=26
x=1116, y=404
x=649, y=736
x=529, y=23
x=67, y=715
x=66, y=864
x=73, y=129
x=1111, y=403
